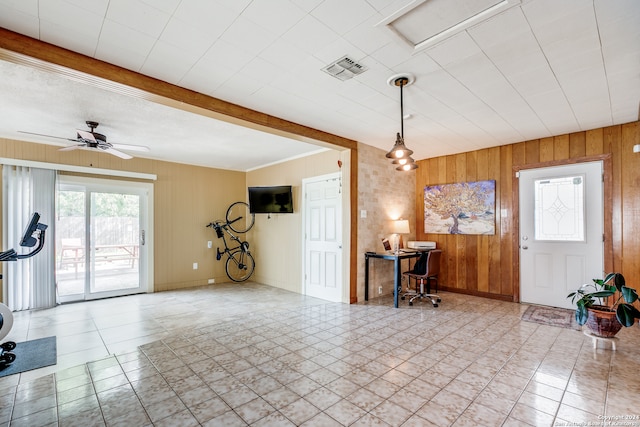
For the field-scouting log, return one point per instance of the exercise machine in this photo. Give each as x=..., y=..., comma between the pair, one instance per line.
x=33, y=235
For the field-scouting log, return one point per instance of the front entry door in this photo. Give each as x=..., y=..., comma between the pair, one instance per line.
x=561, y=231
x=323, y=237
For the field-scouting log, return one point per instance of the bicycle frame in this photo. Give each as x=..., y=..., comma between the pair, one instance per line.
x=222, y=228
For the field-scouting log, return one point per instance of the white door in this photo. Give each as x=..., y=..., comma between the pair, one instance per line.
x=561, y=231
x=323, y=237
x=102, y=238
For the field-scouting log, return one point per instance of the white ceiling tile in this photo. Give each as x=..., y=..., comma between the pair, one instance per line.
x=205, y=78
x=307, y=5
x=262, y=71
x=493, y=31
x=245, y=35
x=225, y=54
x=168, y=6
x=352, y=13
x=19, y=21
x=76, y=19
x=138, y=16
x=336, y=50
x=564, y=28
x=210, y=18
x=367, y=36
x=237, y=6
x=546, y=11
x=120, y=57
x=453, y=49
x=268, y=15
x=391, y=55
x=238, y=87
x=309, y=35
x=67, y=36
x=28, y=7
x=281, y=53
x=420, y=65
x=185, y=36
x=95, y=7
x=168, y=63
x=118, y=40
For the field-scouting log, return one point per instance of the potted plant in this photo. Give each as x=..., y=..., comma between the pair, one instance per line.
x=592, y=305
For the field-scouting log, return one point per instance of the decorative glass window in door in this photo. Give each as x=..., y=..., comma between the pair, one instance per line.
x=559, y=209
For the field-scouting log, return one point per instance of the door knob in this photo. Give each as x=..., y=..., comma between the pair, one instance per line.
x=525, y=247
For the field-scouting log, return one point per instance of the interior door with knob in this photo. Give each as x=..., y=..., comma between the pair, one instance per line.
x=561, y=231
x=323, y=237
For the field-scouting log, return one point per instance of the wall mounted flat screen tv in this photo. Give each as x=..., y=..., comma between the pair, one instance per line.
x=271, y=200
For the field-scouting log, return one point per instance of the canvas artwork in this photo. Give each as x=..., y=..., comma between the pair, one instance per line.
x=461, y=208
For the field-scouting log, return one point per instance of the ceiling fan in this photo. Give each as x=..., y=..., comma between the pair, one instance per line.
x=95, y=140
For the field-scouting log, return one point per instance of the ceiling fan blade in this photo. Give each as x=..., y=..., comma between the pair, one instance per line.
x=48, y=136
x=86, y=135
x=130, y=147
x=71, y=147
x=118, y=153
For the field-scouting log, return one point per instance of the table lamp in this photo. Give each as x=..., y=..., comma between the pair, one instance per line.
x=398, y=227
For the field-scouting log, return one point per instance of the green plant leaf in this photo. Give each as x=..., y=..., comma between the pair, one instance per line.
x=630, y=295
x=626, y=314
x=581, y=315
x=610, y=288
x=619, y=281
x=602, y=294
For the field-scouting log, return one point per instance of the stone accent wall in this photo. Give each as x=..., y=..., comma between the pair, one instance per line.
x=385, y=194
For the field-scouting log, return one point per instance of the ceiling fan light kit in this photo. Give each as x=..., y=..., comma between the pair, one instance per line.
x=400, y=154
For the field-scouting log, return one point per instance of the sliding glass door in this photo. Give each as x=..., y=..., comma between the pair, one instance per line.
x=102, y=238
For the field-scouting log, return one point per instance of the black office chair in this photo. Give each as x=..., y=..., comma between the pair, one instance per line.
x=431, y=261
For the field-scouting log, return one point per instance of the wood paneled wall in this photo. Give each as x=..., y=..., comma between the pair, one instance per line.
x=488, y=265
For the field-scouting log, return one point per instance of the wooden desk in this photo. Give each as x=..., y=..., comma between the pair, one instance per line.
x=397, y=273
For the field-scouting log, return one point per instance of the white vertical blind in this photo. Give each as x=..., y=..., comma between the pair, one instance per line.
x=29, y=283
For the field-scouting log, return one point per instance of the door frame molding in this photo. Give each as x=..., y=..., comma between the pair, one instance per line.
x=607, y=169
x=146, y=258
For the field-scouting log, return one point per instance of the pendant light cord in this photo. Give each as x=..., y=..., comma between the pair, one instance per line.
x=401, y=111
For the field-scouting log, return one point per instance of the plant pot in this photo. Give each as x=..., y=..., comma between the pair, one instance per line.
x=602, y=322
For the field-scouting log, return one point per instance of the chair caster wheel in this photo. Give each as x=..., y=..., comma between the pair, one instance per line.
x=402, y=298
x=435, y=305
x=8, y=346
x=410, y=303
x=439, y=300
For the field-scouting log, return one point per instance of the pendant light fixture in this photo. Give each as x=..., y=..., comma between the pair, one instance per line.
x=400, y=154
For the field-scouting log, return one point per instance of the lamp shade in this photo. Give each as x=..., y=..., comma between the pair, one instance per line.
x=407, y=167
x=399, y=150
x=400, y=226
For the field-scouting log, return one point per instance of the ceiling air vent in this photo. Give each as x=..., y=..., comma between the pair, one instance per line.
x=344, y=68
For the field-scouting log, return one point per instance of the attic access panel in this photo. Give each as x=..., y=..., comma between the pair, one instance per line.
x=423, y=23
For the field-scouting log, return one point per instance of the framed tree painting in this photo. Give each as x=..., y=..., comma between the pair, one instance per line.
x=461, y=208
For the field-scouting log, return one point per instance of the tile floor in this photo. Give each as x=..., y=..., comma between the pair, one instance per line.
x=237, y=355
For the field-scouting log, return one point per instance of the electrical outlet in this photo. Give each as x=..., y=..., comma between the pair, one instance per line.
x=195, y=265
x=211, y=281
x=379, y=290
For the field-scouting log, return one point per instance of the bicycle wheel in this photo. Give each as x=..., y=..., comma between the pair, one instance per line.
x=240, y=265
x=239, y=218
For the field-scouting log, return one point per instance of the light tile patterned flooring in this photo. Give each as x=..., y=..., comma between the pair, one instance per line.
x=249, y=354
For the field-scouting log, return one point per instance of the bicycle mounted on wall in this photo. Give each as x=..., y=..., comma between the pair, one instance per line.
x=34, y=233
x=240, y=263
